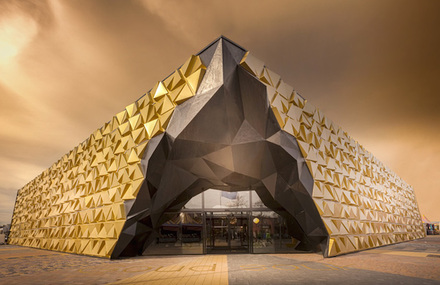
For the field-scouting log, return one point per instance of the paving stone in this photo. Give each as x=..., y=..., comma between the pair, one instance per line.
x=415, y=262
x=265, y=269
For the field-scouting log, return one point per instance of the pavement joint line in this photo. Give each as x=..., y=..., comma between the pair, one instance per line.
x=402, y=253
x=26, y=256
x=404, y=263
x=14, y=248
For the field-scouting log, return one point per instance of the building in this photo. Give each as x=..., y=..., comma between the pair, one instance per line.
x=221, y=156
x=4, y=232
x=432, y=228
x=2, y=237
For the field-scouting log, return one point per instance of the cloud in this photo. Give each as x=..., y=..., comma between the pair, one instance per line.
x=372, y=67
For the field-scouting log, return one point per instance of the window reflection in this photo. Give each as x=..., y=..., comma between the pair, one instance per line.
x=182, y=234
x=208, y=215
x=269, y=232
x=217, y=199
x=227, y=232
x=256, y=201
x=263, y=231
x=195, y=202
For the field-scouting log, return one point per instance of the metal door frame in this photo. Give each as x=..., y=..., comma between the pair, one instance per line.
x=209, y=215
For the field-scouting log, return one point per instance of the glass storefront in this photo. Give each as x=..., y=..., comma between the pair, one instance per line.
x=183, y=234
x=227, y=232
x=217, y=221
x=269, y=233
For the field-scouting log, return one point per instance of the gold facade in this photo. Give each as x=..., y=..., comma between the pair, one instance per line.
x=77, y=205
x=362, y=202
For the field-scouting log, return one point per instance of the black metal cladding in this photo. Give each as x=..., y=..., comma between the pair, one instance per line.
x=225, y=137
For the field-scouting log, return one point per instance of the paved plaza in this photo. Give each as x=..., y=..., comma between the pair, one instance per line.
x=415, y=262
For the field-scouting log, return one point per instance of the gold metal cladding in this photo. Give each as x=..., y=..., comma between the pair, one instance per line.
x=77, y=205
x=362, y=202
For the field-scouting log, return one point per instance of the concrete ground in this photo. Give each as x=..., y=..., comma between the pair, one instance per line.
x=415, y=262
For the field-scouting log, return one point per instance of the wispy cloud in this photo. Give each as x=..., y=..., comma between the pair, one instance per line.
x=66, y=67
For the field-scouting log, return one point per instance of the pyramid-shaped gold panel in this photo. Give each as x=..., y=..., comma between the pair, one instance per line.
x=77, y=205
x=88, y=199
x=362, y=202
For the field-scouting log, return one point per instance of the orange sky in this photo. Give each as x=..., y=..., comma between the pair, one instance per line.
x=373, y=67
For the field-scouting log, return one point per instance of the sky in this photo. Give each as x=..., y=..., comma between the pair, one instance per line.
x=373, y=67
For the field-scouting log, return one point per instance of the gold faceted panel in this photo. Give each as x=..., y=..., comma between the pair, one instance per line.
x=77, y=205
x=345, y=200
x=362, y=202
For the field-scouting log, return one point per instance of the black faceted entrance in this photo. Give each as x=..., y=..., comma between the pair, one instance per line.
x=226, y=137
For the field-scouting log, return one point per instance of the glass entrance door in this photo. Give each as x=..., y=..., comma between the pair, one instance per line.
x=227, y=232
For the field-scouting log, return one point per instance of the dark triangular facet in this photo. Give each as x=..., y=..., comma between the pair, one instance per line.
x=207, y=54
x=246, y=134
x=234, y=50
x=225, y=137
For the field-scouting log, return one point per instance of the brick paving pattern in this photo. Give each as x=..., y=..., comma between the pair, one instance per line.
x=266, y=269
x=415, y=262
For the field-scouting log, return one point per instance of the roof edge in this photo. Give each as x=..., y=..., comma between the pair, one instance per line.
x=221, y=37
